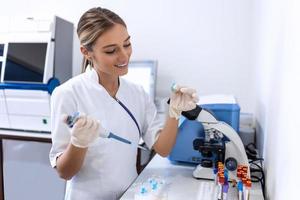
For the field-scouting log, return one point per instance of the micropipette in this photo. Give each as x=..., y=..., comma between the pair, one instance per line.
x=71, y=120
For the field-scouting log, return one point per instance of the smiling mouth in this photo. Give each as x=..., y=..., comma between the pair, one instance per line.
x=121, y=65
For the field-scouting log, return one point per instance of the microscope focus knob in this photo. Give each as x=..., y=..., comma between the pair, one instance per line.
x=207, y=163
x=231, y=164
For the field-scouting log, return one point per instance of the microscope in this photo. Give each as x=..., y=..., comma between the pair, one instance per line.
x=220, y=144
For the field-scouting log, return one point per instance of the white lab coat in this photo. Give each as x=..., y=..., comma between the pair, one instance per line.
x=109, y=166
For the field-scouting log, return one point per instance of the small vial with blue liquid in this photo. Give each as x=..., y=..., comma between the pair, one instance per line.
x=152, y=189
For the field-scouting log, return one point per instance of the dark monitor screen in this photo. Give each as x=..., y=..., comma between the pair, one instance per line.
x=1, y=49
x=1, y=54
x=25, y=62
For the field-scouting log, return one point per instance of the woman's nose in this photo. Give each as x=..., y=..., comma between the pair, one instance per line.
x=123, y=56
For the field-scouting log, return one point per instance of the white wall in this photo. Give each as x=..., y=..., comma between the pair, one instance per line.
x=277, y=101
x=205, y=44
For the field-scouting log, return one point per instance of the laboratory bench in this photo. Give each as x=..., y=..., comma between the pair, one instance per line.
x=25, y=168
x=181, y=184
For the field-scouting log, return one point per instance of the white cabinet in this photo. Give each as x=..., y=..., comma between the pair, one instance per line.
x=27, y=172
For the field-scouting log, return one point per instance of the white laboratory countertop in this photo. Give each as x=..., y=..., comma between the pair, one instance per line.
x=181, y=184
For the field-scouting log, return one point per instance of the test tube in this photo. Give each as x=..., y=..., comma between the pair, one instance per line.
x=225, y=190
x=221, y=183
x=240, y=189
x=247, y=189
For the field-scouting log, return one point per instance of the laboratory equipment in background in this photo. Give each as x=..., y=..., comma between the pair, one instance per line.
x=215, y=142
x=224, y=107
x=35, y=57
x=247, y=128
x=143, y=73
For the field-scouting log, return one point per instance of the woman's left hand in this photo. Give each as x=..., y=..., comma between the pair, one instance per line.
x=182, y=99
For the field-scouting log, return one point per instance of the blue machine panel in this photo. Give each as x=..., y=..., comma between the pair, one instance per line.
x=228, y=113
x=188, y=131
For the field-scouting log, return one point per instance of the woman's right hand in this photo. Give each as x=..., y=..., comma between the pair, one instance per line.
x=85, y=131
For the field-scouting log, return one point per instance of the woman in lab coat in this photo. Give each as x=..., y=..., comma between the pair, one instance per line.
x=100, y=168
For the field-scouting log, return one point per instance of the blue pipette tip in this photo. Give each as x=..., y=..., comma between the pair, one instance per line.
x=121, y=139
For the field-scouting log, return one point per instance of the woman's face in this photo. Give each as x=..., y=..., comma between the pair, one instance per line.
x=111, y=51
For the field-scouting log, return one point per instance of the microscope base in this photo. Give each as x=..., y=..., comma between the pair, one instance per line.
x=203, y=173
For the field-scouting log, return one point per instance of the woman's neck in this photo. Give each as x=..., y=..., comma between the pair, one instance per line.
x=110, y=83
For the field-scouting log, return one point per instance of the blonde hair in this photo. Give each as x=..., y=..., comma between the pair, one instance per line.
x=92, y=24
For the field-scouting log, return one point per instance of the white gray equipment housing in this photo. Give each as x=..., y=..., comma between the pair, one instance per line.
x=35, y=57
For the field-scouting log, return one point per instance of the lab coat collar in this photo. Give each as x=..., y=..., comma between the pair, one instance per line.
x=93, y=76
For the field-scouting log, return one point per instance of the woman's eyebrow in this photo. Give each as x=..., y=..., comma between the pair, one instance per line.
x=112, y=45
x=127, y=39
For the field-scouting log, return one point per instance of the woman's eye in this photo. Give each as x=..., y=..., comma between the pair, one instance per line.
x=127, y=45
x=110, y=51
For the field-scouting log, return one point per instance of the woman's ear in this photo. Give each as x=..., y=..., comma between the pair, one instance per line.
x=85, y=52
